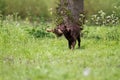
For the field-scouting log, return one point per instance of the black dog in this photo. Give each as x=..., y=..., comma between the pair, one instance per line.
x=71, y=33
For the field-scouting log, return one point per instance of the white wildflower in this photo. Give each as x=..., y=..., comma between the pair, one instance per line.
x=86, y=71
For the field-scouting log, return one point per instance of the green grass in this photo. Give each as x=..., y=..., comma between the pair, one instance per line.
x=24, y=57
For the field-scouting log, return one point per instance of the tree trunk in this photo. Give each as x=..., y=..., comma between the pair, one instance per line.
x=75, y=7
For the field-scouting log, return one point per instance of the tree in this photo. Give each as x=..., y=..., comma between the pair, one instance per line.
x=70, y=11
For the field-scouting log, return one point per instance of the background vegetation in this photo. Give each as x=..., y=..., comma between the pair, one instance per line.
x=42, y=8
x=93, y=6
x=31, y=8
x=28, y=52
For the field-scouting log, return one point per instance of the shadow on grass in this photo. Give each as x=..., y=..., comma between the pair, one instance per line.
x=81, y=47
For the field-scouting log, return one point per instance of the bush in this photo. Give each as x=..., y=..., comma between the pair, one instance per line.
x=101, y=18
x=39, y=32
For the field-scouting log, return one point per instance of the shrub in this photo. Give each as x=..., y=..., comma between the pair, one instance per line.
x=39, y=33
x=101, y=18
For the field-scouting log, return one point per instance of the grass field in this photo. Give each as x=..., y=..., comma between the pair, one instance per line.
x=24, y=57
